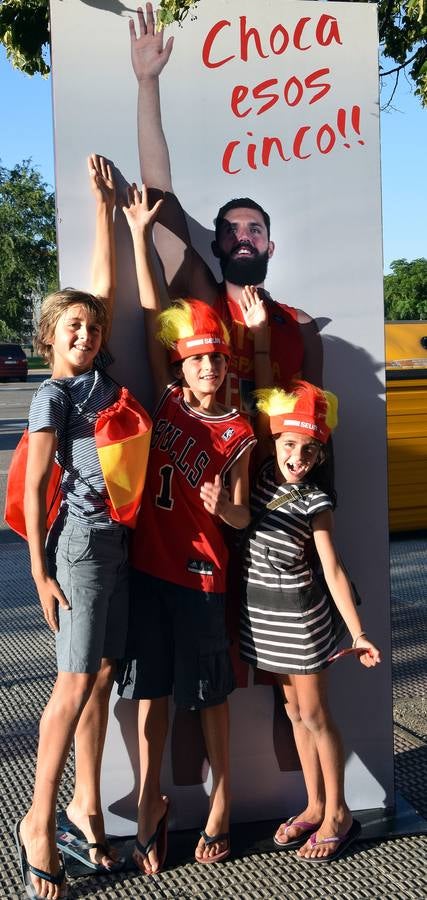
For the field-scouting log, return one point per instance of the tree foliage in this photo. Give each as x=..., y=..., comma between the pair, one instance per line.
x=24, y=31
x=403, y=39
x=27, y=246
x=405, y=290
x=174, y=11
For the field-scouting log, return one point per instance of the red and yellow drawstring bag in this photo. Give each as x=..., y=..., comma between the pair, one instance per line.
x=122, y=437
x=14, y=509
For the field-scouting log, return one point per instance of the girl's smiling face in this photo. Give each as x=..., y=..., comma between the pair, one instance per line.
x=296, y=454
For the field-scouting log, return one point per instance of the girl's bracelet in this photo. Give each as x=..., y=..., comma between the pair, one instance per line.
x=361, y=634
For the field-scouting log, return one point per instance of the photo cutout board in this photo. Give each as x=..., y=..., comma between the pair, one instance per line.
x=278, y=103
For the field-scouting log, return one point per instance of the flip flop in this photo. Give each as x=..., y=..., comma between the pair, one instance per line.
x=342, y=843
x=72, y=841
x=160, y=838
x=307, y=828
x=26, y=868
x=214, y=839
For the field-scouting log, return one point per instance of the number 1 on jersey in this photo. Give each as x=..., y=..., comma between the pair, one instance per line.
x=164, y=498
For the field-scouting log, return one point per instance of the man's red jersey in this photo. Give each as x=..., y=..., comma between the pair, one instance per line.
x=287, y=351
x=176, y=539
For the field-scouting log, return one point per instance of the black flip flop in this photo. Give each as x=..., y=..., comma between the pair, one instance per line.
x=27, y=868
x=210, y=839
x=160, y=838
x=72, y=841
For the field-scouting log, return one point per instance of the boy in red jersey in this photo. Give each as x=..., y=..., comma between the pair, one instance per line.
x=197, y=478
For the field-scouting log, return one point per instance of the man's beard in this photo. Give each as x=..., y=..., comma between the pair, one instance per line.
x=243, y=271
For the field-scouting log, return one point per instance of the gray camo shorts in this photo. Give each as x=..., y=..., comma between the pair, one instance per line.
x=90, y=566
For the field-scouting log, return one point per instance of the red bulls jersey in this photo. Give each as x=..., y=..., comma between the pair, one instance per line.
x=176, y=538
x=287, y=352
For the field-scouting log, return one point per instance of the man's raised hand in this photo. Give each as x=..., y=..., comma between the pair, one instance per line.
x=253, y=308
x=148, y=54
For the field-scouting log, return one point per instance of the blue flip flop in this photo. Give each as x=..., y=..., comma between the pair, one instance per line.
x=72, y=841
x=27, y=869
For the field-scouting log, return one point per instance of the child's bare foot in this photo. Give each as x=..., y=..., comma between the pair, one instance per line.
x=150, y=850
x=329, y=837
x=38, y=849
x=295, y=830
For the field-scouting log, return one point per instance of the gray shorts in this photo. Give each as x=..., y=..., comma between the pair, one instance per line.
x=90, y=565
x=177, y=641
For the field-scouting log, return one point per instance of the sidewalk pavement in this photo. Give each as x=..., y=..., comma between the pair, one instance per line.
x=393, y=868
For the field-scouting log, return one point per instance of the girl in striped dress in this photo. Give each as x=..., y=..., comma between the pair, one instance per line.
x=286, y=625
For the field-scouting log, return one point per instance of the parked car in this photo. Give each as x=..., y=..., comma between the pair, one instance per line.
x=13, y=362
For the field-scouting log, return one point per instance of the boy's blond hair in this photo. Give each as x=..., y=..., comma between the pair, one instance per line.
x=53, y=307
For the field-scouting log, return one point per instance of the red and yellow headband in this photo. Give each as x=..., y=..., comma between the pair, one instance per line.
x=305, y=410
x=200, y=343
x=191, y=328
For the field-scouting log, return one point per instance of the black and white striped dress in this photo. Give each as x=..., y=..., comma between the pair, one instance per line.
x=285, y=622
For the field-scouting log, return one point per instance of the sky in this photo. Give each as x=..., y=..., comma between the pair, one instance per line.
x=26, y=130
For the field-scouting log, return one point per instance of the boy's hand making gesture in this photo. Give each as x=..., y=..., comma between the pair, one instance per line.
x=216, y=498
x=138, y=214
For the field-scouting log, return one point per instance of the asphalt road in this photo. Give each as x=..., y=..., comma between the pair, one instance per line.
x=15, y=399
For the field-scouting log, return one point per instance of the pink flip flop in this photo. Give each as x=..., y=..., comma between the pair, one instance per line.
x=307, y=828
x=342, y=843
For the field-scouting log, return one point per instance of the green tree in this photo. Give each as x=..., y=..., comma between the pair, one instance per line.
x=403, y=39
x=174, y=11
x=405, y=290
x=24, y=31
x=27, y=246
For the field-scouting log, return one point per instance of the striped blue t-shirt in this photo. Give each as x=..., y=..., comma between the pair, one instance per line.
x=70, y=407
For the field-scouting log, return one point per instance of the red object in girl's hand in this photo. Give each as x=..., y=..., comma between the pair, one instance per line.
x=357, y=650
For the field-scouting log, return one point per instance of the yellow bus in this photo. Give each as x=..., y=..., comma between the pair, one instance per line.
x=406, y=381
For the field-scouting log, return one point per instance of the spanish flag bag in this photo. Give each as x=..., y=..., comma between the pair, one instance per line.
x=14, y=509
x=122, y=438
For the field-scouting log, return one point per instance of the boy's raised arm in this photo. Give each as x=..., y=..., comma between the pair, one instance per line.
x=140, y=219
x=104, y=251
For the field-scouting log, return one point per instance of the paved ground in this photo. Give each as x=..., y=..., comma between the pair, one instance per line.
x=393, y=868
x=375, y=869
